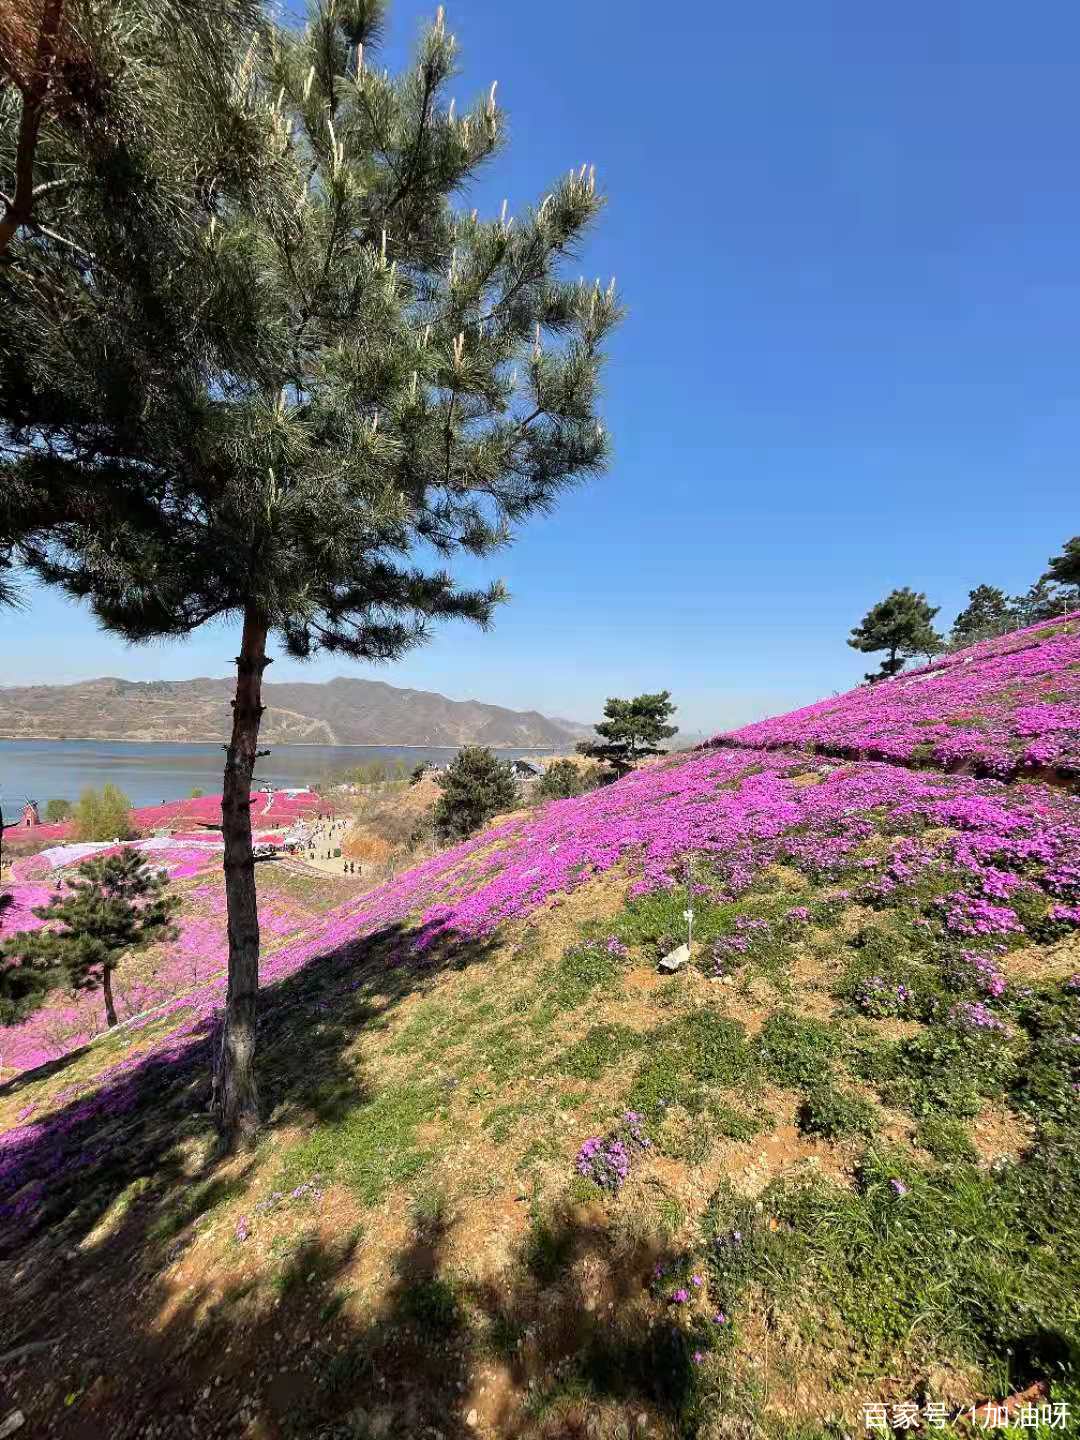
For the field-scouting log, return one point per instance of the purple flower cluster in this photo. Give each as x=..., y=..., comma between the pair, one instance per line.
x=971, y=915
x=606, y=1160
x=984, y=972
x=973, y=1015
x=879, y=999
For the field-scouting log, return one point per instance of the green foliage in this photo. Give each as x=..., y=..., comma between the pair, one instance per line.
x=602, y=1047
x=475, y=786
x=632, y=729
x=1064, y=569
x=987, y=613
x=948, y=1069
x=24, y=984
x=103, y=815
x=370, y=1147
x=582, y=969
x=432, y=1304
x=983, y=1265
x=901, y=625
x=947, y=1139
x=562, y=780
x=115, y=905
x=550, y=1245
x=686, y=1059
x=356, y=369
x=57, y=809
x=1045, y=1086
x=796, y=1051
x=195, y=793
x=836, y=1114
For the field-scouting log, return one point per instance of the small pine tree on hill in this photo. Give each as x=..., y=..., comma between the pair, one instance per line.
x=988, y=613
x=114, y=906
x=1064, y=569
x=631, y=730
x=475, y=786
x=562, y=780
x=902, y=626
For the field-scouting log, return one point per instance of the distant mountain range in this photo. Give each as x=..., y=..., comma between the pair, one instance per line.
x=336, y=712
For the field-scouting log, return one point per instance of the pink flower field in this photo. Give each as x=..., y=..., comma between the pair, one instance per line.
x=999, y=863
x=1009, y=705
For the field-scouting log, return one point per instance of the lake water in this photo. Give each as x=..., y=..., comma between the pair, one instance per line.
x=46, y=769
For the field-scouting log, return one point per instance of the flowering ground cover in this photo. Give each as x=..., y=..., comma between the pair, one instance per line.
x=268, y=812
x=834, y=1163
x=1009, y=705
x=161, y=974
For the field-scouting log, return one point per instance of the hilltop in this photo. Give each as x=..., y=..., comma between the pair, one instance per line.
x=516, y=1181
x=336, y=712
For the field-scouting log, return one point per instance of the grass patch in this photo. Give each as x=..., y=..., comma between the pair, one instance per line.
x=946, y=1139
x=685, y=1058
x=796, y=1051
x=196, y=1202
x=433, y=1306
x=370, y=1148
x=837, y=1114
x=602, y=1047
x=583, y=969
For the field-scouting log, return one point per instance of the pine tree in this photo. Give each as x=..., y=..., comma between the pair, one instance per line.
x=1064, y=569
x=1041, y=601
x=99, y=134
x=631, y=730
x=114, y=906
x=987, y=613
x=562, y=780
x=475, y=786
x=901, y=625
x=315, y=376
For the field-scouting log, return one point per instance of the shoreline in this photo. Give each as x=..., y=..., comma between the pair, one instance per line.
x=275, y=744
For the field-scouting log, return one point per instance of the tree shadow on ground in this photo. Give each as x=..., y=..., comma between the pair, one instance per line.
x=106, y=1199
x=135, y=1120
x=281, y=1353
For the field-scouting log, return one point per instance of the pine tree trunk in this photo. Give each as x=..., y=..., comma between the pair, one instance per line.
x=106, y=988
x=236, y=1099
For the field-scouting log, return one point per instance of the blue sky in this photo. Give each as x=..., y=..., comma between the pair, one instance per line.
x=848, y=240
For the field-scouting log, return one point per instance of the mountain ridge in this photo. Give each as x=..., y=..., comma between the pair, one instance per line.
x=340, y=711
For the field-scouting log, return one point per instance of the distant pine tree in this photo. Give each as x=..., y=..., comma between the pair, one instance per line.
x=989, y=612
x=1064, y=569
x=631, y=730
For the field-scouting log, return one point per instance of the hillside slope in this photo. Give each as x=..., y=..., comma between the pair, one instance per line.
x=337, y=712
x=516, y=1181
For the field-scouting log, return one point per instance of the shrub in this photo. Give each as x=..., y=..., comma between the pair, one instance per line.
x=103, y=816
x=475, y=786
x=562, y=780
x=836, y=1114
